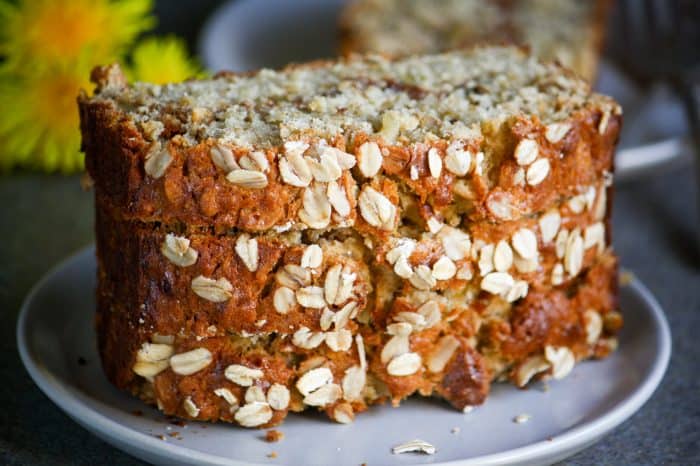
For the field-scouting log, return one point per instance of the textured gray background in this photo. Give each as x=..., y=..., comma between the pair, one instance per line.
x=45, y=218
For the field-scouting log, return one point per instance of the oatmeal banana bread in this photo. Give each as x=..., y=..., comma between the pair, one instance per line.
x=340, y=234
x=570, y=31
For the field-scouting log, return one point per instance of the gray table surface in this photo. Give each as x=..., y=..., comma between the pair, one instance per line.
x=44, y=218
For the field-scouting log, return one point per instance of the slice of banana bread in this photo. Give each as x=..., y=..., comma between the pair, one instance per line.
x=485, y=134
x=281, y=282
x=570, y=31
x=254, y=380
x=335, y=235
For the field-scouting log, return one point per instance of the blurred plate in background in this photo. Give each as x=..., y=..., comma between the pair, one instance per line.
x=245, y=35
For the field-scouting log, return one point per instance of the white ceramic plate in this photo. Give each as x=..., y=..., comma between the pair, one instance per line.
x=245, y=35
x=55, y=329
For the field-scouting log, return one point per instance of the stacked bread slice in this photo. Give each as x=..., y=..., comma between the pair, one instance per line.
x=340, y=234
x=570, y=31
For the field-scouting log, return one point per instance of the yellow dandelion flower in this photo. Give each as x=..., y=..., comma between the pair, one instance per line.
x=39, y=125
x=162, y=60
x=50, y=31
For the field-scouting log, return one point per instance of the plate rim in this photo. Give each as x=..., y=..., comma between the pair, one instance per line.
x=70, y=401
x=635, y=162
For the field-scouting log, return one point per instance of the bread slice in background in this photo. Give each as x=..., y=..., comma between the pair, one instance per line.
x=569, y=31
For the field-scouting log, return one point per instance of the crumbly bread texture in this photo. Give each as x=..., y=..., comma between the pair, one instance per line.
x=331, y=236
x=570, y=31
